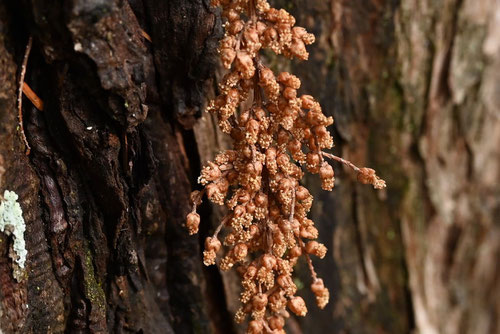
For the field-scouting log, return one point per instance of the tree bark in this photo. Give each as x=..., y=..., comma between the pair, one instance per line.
x=414, y=90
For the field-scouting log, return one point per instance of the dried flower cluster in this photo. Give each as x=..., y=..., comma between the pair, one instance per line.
x=267, y=228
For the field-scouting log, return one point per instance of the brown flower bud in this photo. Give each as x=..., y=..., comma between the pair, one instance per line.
x=233, y=96
x=239, y=211
x=240, y=251
x=228, y=42
x=273, y=108
x=232, y=15
x=322, y=294
x=268, y=261
x=212, y=191
x=301, y=193
x=285, y=184
x=276, y=322
x=321, y=131
x=250, y=169
x=252, y=127
x=259, y=301
x=251, y=36
x=193, y=222
x=326, y=171
x=244, y=197
x=298, y=306
x=283, y=159
x=294, y=146
x=285, y=281
x=298, y=49
x=283, y=137
x=266, y=75
x=271, y=153
x=315, y=248
x=250, y=207
x=259, y=113
x=235, y=27
x=307, y=133
x=289, y=80
x=317, y=286
x=223, y=185
x=227, y=56
x=311, y=143
x=254, y=229
x=307, y=101
x=212, y=244
x=367, y=176
x=261, y=200
x=270, y=35
x=247, y=152
x=285, y=225
x=327, y=176
x=230, y=239
x=295, y=251
x=289, y=93
x=271, y=160
x=309, y=232
x=272, y=15
x=220, y=101
x=195, y=198
x=299, y=32
x=255, y=327
x=313, y=159
x=209, y=257
x=316, y=117
x=244, y=64
x=261, y=27
x=250, y=272
x=244, y=117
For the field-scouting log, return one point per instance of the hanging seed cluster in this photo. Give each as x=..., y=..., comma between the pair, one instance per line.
x=275, y=139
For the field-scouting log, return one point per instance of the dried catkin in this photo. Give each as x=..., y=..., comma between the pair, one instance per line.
x=279, y=136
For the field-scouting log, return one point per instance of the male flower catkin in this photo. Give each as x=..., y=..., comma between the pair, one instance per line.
x=279, y=136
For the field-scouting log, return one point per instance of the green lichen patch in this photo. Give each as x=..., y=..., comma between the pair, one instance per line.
x=12, y=223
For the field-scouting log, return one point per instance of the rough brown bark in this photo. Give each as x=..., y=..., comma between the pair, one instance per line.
x=413, y=87
x=105, y=191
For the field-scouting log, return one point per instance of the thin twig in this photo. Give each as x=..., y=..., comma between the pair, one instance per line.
x=308, y=259
x=197, y=201
x=146, y=35
x=125, y=164
x=292, y=209
x=339, y=159
x=271, y=291
x=31, y=95
x=219, y=228
x=20, y=93
x=301, y=243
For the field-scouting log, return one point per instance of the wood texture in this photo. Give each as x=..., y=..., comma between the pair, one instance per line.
x=414, y=88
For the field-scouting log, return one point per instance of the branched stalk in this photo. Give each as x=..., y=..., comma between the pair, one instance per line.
x=258, y=180
x=24, y=65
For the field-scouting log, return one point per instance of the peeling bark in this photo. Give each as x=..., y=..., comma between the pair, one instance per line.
x=413, y=87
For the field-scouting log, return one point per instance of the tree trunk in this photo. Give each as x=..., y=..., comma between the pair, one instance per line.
x=414, y=90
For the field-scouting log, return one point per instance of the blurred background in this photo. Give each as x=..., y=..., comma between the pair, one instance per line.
x=117, y=146
x=414, y=88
